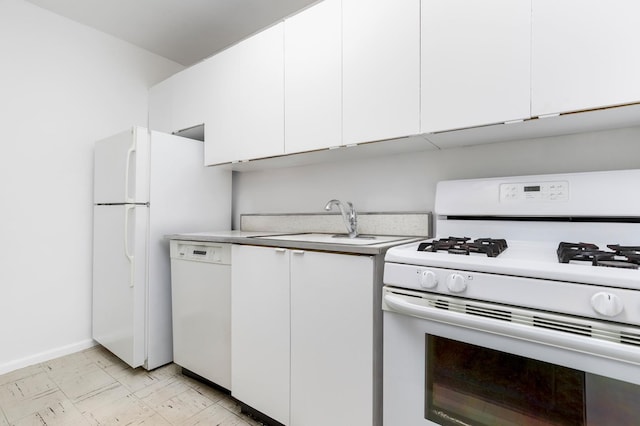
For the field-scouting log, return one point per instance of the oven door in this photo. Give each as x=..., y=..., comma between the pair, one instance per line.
x=452, y=361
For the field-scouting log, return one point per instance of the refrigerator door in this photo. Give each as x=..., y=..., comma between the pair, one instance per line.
x=119, y=280
x=121, y=168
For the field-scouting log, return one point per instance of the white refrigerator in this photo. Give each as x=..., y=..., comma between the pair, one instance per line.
x=146, y=185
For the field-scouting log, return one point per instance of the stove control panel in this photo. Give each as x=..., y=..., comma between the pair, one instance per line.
x=583, y=300
x=534, y=191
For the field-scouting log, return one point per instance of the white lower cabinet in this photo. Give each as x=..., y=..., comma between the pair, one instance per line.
x=303, y=335
x=260, y=329
x=332, y=339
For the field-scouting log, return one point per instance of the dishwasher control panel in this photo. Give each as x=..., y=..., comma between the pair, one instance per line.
x=201, y=251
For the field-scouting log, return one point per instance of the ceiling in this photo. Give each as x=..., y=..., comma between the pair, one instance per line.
x=185, y=31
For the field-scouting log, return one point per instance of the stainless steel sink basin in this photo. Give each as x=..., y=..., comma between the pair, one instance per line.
x=337, y=238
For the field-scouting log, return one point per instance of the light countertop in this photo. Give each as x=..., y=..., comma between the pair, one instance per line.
x=254, y=238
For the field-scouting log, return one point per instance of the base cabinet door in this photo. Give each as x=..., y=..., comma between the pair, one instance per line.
x=332, y=341
x=260, y=329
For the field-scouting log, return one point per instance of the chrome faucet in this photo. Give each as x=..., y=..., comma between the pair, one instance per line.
x=350, y=218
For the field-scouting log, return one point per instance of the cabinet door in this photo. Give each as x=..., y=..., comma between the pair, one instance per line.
x=332, y=339
x=246, y=117
x=161, y=106
x=182, y=100
x=585, y=54
x=381, y=69
x=475, y=63
x=313, y=78
x=260, y=329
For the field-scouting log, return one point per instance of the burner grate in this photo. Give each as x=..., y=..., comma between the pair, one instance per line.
x=616, y=257
x=491, y=247
x=631, y=253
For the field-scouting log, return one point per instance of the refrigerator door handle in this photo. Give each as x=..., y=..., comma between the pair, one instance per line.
x=127, y=253
x=130, y=152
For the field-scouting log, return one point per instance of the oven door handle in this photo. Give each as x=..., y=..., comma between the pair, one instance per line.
x=584, y=344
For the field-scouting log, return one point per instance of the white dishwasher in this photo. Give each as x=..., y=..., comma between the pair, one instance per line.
x=201, y=299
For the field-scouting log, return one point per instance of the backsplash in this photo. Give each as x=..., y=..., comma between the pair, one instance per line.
x=402, y=223
x=407, y=182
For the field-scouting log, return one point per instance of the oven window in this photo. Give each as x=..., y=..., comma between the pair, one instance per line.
x=472, y=385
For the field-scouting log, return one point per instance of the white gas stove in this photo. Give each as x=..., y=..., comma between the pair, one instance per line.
x=526, y=274
x=543, y=269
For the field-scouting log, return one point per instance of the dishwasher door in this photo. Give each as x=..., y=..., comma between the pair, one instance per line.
x=201, y=299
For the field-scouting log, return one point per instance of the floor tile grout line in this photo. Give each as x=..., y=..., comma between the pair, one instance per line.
x=195, y=414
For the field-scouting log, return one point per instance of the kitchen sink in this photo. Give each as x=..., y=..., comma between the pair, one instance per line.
x=337, y=238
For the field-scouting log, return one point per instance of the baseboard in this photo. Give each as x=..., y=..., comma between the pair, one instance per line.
x=46, y=356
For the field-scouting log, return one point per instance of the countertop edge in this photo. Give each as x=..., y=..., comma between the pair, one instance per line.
x=369, y=249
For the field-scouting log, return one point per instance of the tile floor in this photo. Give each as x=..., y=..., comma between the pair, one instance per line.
x=93, y=387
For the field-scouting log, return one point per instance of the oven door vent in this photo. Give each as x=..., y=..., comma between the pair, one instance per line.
x=565, y=326
x=611, y=332
x=590, y=328
x=630, y=338
x=499, y=314
x=440, y=303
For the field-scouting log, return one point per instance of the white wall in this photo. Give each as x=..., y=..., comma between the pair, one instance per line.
x=62, y=86
x=407, y=182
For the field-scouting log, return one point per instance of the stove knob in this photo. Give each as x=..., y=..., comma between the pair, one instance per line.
x=607, y=304
x=456, y=283
x=428, y=279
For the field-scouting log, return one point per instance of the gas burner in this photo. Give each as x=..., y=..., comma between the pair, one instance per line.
x=462, y=245
x=627, y=257
x=581, y=251
x=443, y=244
x=499, y=244
x=632, y=253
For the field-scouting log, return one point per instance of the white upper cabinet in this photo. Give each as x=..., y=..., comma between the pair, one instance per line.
x=161, y=100
x=181, y=101
x=345, y=72
x=585, y=54
x=475, y=61
x=313, y=80
x=381, y=69
x=246, y=115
